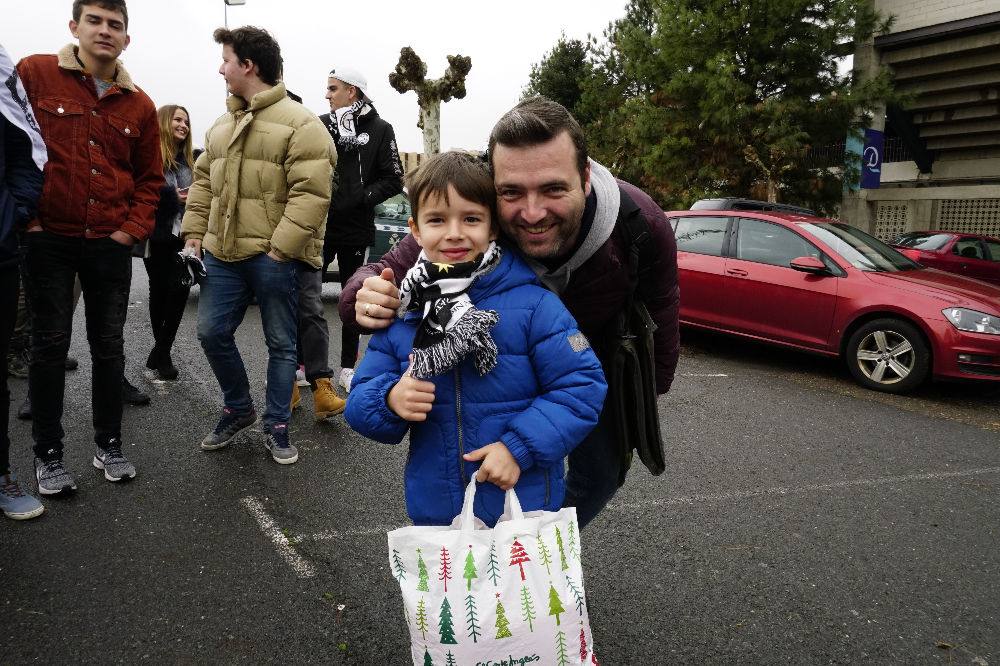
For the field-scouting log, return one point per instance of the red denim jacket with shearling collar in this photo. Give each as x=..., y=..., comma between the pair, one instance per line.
x=105, y=170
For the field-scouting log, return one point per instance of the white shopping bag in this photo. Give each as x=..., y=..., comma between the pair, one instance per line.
x=509, y=596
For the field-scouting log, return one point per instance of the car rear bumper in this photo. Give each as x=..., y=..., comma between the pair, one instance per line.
x=962, y=355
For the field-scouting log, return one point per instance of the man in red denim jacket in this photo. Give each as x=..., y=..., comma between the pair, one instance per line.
x=101, y=188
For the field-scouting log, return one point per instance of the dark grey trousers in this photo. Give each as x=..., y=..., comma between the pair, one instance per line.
x=314, y=336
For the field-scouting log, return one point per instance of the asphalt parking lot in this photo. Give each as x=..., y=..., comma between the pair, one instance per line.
x=801, y=519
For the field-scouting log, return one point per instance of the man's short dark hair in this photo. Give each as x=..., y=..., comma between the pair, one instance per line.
x=537, y=120
x=110, y=5
x=256, y=45
x=466, y=173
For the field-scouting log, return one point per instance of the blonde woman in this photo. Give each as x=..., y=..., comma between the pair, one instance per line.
x=167, y=298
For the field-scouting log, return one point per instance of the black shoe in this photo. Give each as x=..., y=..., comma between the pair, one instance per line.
x=72, y=363
x=153, y=359
x=132, y=395
x=165, y=368
x=24, y=411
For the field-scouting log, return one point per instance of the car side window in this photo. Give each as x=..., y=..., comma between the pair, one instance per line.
x=701, y=235
x=968, y=248
x=994, y=249
x=768, y=243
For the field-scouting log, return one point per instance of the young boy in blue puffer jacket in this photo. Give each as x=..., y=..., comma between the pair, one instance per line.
x=485, y=369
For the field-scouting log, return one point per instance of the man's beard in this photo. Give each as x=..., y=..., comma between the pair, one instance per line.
x=565, y=236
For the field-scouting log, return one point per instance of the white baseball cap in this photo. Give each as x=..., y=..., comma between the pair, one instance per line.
x=351, y=77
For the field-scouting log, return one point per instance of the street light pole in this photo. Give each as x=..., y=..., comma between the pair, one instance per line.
x=225, y=10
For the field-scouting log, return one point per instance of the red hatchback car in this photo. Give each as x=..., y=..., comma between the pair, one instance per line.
x=966, y=254
x=826, y=287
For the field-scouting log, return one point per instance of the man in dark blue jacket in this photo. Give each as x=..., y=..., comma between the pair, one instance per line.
x=22, y=158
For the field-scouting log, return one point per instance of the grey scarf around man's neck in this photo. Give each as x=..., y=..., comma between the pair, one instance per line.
x=608, y=197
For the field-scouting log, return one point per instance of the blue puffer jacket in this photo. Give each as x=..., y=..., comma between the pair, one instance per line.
x=541, y=400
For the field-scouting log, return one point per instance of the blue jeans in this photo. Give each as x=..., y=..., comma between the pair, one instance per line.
x=225, y=295
x=594, y=465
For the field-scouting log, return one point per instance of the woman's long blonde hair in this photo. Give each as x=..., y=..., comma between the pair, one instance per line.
x=168, y=149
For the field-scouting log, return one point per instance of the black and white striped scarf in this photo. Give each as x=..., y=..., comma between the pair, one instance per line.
x=452, y=327
x=346, y=124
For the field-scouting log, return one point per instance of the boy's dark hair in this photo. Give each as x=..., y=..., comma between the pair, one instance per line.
x=537, y=120
x=256, y=45
x=110, y=5
x=466, y=173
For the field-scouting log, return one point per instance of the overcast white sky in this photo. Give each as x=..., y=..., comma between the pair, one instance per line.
x=174, y=59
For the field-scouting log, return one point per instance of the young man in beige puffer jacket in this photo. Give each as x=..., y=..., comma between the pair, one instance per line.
x=257, y=209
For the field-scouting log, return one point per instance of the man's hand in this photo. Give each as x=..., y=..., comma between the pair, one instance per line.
x=411, y=399
x=499, y=466
x=122, y=238
x=275, y=257
x=376, y=302
x=194, y=244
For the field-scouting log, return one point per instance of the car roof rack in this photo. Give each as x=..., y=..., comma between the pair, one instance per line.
x=735, y=203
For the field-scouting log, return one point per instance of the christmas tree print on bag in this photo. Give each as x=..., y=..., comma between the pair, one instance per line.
x=513, y=594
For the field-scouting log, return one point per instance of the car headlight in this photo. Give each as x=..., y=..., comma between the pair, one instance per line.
x=972, y=321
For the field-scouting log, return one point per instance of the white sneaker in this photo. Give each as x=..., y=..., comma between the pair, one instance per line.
x=300, y=377
x=346, y=375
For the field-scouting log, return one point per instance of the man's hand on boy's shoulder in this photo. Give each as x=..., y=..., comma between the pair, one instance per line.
x=499, y=466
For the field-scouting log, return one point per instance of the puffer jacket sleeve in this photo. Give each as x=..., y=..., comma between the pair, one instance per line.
x=387, y=176
x=367, y=410
x=147, y=175
x=308, y=167
x=199, y=202
x=400, y=259
x=572, y=389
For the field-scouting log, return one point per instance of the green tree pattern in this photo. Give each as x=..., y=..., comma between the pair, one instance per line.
x=555, y=604
x=543, y=554
x=445, y=625
x=494, y=567
x=577, y=594
x=427, y=658
x=574, y=551
x=470, y=570
x=397, y=566
x=421, y=573
x=472, y=619
x=451, y=659
x=561, y=656
x=527, y=607
x=562, y=551
x=503, y=625
x=422, y=617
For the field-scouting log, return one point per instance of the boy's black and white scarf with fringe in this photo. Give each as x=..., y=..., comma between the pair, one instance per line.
x=452, y=327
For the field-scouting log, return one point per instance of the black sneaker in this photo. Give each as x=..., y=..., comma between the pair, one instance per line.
x=72, y=363
x=229, y=427
x=153, y=359
x=17, y=366
x=165, y=367
x=132, y=395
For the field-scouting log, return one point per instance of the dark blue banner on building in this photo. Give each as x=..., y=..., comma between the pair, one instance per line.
x=871, y=160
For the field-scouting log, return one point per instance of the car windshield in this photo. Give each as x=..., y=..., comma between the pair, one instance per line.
x=864, y=252
x=923, y=241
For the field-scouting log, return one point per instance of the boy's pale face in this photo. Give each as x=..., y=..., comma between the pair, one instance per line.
x=101, y=33
x=452, y=231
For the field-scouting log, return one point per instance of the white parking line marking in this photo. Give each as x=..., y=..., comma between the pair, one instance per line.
x=702, y=374
x=803, y=490
x=270, y=529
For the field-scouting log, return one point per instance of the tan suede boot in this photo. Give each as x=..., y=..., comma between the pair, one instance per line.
x=327, y=402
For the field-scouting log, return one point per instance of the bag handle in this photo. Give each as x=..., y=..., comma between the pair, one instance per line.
x=511, y=507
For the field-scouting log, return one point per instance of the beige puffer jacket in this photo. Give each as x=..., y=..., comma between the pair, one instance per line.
x=263, y=182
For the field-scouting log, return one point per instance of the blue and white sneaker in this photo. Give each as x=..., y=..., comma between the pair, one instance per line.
x=14, y=502
x=114, y=463
x=229, y=427
x=276, y=441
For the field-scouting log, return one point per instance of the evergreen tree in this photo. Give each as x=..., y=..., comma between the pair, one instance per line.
x=470, y=570
x=494, y=566
x=445, y=626
x=561, y=74
x=577, y=594
x=421, y=573
x=518, y=556
x=444, y=572
x=427, y=658
x=562, y=551
x=543, y=554
x=451, y=659
x=422, y=617
x=503, y=625
x=527, y=607
x=472, y=619
x=562, y=658
x=583, y=646
x=571, y=540
x=555, y=604
x=398, y=570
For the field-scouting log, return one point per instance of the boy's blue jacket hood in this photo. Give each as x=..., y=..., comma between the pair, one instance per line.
x=541, y=400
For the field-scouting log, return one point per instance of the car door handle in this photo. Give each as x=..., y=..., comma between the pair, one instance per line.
x=738, y=272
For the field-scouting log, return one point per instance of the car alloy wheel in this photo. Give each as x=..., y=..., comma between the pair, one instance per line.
x=888, y=355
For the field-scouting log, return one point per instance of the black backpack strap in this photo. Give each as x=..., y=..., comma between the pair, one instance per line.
x=638, y=240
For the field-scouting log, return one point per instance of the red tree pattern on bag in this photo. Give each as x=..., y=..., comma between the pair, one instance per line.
x=583, y=645
x=445, y=572
x=518, y=556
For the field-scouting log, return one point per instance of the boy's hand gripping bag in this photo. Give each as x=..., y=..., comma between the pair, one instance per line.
x=506, y=596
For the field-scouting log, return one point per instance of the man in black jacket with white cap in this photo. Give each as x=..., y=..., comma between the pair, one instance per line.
x=369, y=172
